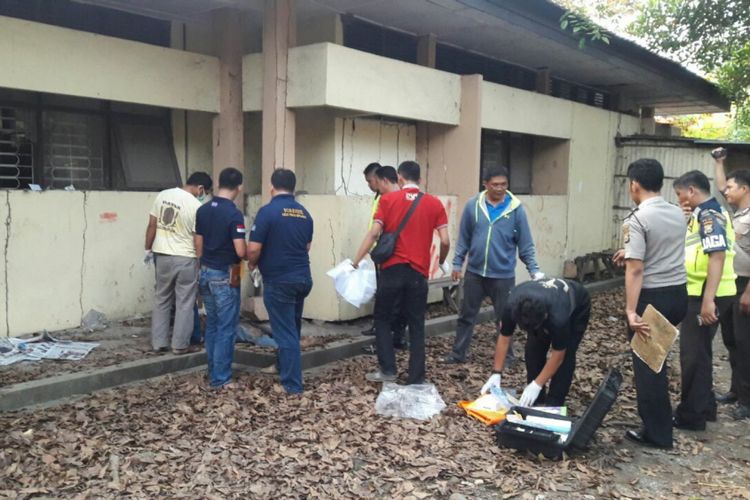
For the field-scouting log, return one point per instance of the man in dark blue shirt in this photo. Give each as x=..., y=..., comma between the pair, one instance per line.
x=220, y=244
x=279, y=244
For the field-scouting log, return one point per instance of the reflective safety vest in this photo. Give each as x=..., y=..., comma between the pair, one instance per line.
x=696, y=260
x=373, y=210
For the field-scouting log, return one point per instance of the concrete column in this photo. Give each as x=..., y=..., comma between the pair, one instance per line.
x=228, y=126
x=454, y=152
x=427, y=50
x=279, y=34
x=648, y=125
x=426, y=56
x=543, y=81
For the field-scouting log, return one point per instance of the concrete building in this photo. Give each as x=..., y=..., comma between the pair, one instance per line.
x=121, y=98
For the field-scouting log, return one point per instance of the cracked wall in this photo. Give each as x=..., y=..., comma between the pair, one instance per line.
x=360, y=141
x=68, y=252
x=5, y=217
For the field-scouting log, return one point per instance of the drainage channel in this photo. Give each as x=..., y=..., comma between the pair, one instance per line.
x=58, y=388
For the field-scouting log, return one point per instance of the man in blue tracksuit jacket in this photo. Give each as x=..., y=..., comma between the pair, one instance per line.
x=493, y=228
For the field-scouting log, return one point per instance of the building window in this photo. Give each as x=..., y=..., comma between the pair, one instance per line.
x=463, y=62
x=73, y=150
x=580, y=93
x=90, y=18
x=57, y=141
x=17, y=138
x=375, y=39
x=536, y=165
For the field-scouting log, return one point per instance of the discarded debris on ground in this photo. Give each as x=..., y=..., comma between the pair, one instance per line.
x=171, y=437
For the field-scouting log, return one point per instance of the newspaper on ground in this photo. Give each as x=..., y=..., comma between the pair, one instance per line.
x=653, y=350
x=44, y=346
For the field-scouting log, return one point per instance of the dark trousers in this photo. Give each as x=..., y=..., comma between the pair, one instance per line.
x=285, y=302
x=652, y=389
x=401, y=285
x=399, y=320
x=537, y=347
x=735, y=332
x=476, y=288
x=697, y=402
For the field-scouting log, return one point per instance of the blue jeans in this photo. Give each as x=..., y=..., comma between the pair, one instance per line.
x=284, y=302
x=222, y=303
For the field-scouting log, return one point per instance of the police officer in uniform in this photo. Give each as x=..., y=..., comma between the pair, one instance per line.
x=654, y=259
x=709, y=255
x=555, y=314
x=735, y=327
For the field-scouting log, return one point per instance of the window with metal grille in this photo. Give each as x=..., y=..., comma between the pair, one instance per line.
x=58, y=141
x=17, y=139
x=73, y=150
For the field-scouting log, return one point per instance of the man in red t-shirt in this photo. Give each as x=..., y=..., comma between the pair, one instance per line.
x=403, y=277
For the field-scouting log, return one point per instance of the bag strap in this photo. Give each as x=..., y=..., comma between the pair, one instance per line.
x=408, y=215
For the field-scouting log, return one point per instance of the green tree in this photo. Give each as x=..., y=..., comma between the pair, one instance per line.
x=713, y=35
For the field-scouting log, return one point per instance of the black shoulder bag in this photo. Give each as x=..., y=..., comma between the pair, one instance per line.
x=387, y=242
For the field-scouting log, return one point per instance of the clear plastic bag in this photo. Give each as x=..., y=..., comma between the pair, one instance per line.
x=418, y=401
x=356, y=286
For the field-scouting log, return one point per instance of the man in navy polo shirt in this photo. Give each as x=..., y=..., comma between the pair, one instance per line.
x=279, y=244
x=220, y=243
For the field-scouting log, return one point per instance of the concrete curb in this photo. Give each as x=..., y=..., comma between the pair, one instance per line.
x=51, y=389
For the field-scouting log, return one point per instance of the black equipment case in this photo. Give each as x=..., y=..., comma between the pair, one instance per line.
x=526, y=438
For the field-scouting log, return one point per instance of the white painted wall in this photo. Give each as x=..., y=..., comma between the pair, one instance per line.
x=361, y=141
x=591, y=169
x=43, y=58
x=68, y=252
x=547, y=218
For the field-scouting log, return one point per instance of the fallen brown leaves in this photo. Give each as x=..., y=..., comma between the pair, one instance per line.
x=171, y=437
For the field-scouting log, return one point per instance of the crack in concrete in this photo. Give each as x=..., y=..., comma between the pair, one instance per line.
x=333, y=242
x=83, y=250
x=343, y=139
x=7, y=246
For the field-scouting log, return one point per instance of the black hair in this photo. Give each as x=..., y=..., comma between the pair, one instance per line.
x=409, y=170
x=387, y=172
x=694, y=178
x=741, y=177
x=200, y=179
x=529, y=313
x=230, y=178
x=494, y=172
x=283, y=179
x=648, y=173
x=371, y=168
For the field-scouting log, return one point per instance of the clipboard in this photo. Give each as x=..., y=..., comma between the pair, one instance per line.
x=653, y=351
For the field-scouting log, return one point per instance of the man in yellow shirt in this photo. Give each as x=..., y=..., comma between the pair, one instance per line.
x=169, y=242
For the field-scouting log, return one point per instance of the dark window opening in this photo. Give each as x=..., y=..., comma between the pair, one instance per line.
x=463, y=62
x=536, y=165
x=90, y=18
x=375, y=39
x=580, y=93
x=87, y=146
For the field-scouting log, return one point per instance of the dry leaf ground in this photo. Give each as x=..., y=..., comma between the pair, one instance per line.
x=170, y=437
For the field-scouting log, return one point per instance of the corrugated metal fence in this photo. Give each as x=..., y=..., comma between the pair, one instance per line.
x=677, y=156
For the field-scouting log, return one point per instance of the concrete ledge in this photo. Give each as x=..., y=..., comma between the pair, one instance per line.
x=606, y=285
x=50, y=389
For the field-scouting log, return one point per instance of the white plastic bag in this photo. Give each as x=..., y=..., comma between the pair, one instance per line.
x=356, y=286
x=418, y=401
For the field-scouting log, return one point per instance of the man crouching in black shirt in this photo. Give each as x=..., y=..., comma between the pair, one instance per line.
x=554, y=313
